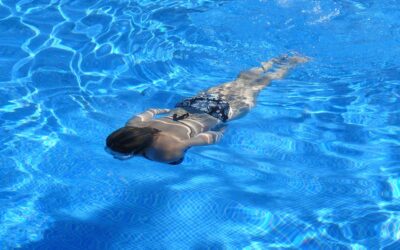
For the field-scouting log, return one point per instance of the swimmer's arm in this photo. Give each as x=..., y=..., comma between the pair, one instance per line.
x=146, y=116
x=206, y=138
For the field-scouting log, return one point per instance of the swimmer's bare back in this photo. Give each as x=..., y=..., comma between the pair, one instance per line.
x=199, y=120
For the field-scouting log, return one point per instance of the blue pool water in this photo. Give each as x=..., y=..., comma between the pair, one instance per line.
x=315, y=165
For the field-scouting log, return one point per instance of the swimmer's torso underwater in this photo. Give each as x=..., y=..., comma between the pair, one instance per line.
x=196, y=121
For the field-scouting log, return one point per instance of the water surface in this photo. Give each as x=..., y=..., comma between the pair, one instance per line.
x=315, y=165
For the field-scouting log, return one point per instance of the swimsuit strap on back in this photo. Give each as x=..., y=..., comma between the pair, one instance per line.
x=175, y=117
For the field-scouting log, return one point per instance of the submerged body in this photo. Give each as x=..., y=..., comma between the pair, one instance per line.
x=196, y=121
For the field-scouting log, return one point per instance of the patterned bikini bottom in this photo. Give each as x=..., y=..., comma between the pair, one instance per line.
x=211, y=104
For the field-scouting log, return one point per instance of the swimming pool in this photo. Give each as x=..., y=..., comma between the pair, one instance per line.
x=315, y=165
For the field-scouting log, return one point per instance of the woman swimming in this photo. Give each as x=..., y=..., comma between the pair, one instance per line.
x=196, y=121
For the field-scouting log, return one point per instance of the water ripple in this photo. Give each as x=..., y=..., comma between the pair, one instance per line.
x=314, y=166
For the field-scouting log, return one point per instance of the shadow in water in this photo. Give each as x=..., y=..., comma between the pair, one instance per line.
x=143, y=217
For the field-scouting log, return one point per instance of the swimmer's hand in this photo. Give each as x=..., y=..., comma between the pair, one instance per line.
x=146, y=116
x=206, y=138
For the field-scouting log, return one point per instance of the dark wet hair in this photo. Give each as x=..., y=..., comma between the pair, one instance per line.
x=131, y=140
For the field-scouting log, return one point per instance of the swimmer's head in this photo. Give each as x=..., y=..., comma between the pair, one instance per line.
x=129, y=141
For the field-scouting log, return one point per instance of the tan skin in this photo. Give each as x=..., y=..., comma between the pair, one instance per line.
x=200, y=129
x=170, y=144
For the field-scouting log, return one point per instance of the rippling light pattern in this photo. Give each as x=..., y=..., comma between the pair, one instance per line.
x=316, y=164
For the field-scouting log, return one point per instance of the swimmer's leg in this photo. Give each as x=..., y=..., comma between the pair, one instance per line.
x=241, y=94
x=244, y=76
x=256, y=72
